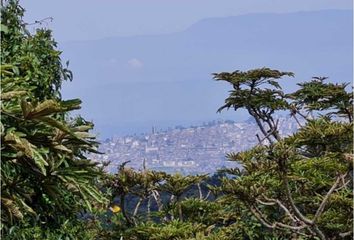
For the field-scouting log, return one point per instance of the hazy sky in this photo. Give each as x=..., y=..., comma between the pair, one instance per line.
x=128, y=75
x=94, y=19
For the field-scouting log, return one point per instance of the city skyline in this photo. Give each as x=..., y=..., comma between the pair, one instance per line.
x=196, y=149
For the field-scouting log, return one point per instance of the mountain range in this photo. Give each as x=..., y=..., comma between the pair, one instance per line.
x=128, y=84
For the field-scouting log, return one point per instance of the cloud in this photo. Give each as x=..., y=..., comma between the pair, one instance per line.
x=135, y=63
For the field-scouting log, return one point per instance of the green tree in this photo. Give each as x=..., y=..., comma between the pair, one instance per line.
x=46, y=178
x=298, y=186
x=259, y=93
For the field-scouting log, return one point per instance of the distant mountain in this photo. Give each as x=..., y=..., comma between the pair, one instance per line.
x=130, y=83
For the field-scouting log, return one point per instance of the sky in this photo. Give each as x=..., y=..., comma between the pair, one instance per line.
x=122, y=79
x=96, y=19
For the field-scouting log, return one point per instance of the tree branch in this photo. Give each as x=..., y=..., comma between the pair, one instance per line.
x=207, y=196
x=276, y=225
x=346, y=234
x=292, y=203
x=200, y=191
x=282, y=206
x=297, y=212
x=261, y=127
x=136, y=209
x=157, y=198
x=326, y=198
x=266, y=136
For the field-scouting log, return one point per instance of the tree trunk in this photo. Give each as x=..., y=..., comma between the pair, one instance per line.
x=125, y=215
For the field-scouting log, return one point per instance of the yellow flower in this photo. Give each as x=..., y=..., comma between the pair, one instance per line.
x=115, y=208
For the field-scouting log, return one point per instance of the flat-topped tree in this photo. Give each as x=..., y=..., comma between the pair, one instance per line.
x=317, y=95
x=299, y=186
x=259, y=92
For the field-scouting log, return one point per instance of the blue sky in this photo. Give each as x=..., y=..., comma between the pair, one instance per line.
x=95, y=19
x=129, y=84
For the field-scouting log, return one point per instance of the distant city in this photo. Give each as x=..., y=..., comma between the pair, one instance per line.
x=189, y=150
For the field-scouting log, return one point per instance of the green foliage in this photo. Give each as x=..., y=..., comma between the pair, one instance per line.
x=46, y=180
x=173, y=230
x=247, y=92
x=68, y=230
x=259, y=92
x=34, y=55
x=316, y=95
x=299, y=186
x=201, y=211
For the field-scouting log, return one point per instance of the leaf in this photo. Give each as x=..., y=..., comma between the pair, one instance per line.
x=12, y=94
x=4, y=28
x=82, y=128
x=71, y=104
x=26, y=207
x=12, y=207
x=23, y=145
x=57, y=124
x=40, y=162
x=62, y=148
x=20, y=144
x=93, y=193
x=274, y=84
x=44, y=109
x=84, y=135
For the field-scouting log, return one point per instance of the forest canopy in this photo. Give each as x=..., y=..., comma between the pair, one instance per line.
x=289, y=187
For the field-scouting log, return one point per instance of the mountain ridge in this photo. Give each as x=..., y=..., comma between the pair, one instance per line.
x=168, y=77
x=195, y=24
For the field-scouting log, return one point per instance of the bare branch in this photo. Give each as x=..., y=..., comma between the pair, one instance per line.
x=137, y=207
x=282, y=206
x=325, y=199
x=260, y=218
x=297, y=121
x=207, y=196
x=200, y=191
x=40, y=22
x=276, y=225
x=266, y=137
x=149, y=208
x=292, y=203
x=157, y=198
x=265, y=203
x=345, y=184
x=346, y=234
x=303, y=116
x=253, y=113
x=297, y=212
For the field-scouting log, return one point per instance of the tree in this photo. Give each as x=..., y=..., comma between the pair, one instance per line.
x=46, y=178
x=298, y=186
x=259, y=101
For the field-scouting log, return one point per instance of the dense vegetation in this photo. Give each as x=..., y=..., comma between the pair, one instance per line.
x=295, y=187
x=46, y=179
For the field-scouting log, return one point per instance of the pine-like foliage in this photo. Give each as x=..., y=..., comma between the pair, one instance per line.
x=299, y=186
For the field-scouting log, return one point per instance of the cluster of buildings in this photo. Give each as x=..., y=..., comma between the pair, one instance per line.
x=189, y=150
